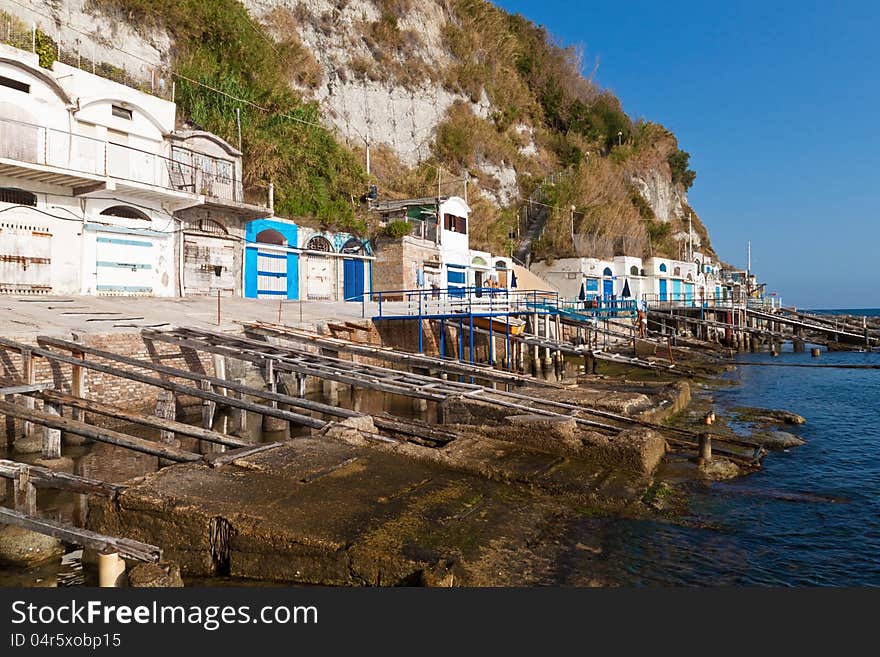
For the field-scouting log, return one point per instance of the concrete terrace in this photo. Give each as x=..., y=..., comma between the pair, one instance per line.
x=22, y=316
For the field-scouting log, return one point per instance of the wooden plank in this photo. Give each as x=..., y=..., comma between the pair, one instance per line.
x=45, y=478
x=96, y=433
x=24, y=388
x=176, y=387
x=232, y=456
x=394, y=355
x=219, y=383
x=164, y=424
x=128, y=548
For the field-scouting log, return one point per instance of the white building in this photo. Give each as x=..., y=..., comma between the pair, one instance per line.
x=435, y=253
x=91, y=189
x=654, y=280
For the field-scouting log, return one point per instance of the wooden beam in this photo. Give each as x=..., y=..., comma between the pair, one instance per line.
x=155, y=422
x=45, y=478
x=96, y=433
x=24, y=388
x=176, y=387
x=126, y=547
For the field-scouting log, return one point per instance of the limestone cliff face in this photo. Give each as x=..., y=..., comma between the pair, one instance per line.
x=382, y=73
x=666, y=199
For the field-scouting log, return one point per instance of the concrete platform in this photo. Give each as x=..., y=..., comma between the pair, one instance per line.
x=321, y=511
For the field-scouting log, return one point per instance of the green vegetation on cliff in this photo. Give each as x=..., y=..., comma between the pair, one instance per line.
x=218, y=46
x=545, y=118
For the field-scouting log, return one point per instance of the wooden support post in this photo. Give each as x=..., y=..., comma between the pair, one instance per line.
x=705, y=454
x=165, y=409
x=240, y=414
x=77, y=382
x=51, y=437
x=301, y=385
x=25, y=493
x=28, y=375
x=208, y=409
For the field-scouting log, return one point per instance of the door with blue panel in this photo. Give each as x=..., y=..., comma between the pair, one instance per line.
x=689, y=293
x=663, y=289
x=676, y=290
x=456, y=281
x=592, y=288
x=271, y=271
x=607, y=288
x=353, y=279
x=271, y=274
x=124, y=264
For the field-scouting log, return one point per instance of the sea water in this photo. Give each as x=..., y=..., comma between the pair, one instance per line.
x=810, y=516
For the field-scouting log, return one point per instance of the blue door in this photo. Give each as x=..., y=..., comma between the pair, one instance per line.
x=663, y=284
x=676, y=290
x=353, y=279
x=456, y=281
x=607, y=288
x=689, y=293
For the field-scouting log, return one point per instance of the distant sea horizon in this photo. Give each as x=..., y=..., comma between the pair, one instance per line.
x=865, y=312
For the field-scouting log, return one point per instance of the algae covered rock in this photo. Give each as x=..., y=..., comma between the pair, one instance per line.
x=19, y=546
x=778, y=439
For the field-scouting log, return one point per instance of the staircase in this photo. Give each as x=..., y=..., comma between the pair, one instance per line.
x=532, y=222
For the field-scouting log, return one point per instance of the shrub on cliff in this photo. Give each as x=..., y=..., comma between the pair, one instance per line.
x=397, y=229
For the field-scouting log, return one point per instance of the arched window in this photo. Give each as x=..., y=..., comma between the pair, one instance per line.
x=607, y=271
x=634, y=271
x=690, y=277
x=17, y=196
x=500, y=264
x=319, y=243
x=676, y=271
x=125, y=212
x=663, y=267
x=210, y=226
x=271, y=236
x=353, y=246
x=478, y=262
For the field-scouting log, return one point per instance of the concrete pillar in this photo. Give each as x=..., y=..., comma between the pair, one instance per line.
x=240, y=417
x=24, y=494
x=301, y=385
x=28, y=375
x=357, y=398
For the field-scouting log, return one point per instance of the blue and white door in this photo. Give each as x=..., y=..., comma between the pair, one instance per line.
x=271, y=274
x=353, y=279
x=676, y=290
x=607, y=288
x=689, y=292
x=124, y=264
x=663, y=289
x=456, y=280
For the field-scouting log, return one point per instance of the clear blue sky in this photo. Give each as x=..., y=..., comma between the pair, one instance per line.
x=777, y=102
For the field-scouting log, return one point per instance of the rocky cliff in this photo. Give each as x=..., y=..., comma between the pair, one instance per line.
x=455, y=92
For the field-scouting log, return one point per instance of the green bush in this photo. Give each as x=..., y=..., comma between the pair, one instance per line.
x=678, y=163
x=398, y=229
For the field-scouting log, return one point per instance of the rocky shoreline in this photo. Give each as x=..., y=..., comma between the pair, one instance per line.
x=336, y=508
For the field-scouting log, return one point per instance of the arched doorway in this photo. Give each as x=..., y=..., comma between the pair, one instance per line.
x=353, y=271
x=501, y=271
x=319, y=268
x=209, y=258
x=271, y=268
x=607, y=283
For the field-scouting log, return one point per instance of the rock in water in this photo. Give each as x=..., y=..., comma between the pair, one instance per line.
x=719, y=468
x=778, y=439
x=155, y=575
x=19, y=546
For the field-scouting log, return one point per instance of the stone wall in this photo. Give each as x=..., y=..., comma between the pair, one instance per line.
x=123, y=393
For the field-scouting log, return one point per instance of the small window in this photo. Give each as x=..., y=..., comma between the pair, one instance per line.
x=15, y=84
x=319, y=243
x=125, y=212
x=662, y=266
x=17, y=196
x=455, y=224
x=121, y=112
x=634, y=271
x=607, y=271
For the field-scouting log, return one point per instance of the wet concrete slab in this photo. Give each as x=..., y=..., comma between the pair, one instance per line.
x=321, y=511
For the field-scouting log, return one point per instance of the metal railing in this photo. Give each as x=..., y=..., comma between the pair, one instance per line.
x=452, y=301
x=61, y=149
x=131, y=72
x=685, y=300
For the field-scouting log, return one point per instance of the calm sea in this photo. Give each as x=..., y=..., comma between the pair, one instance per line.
x=811, y=516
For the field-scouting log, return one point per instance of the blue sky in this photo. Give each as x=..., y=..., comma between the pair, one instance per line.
x=777, y=102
